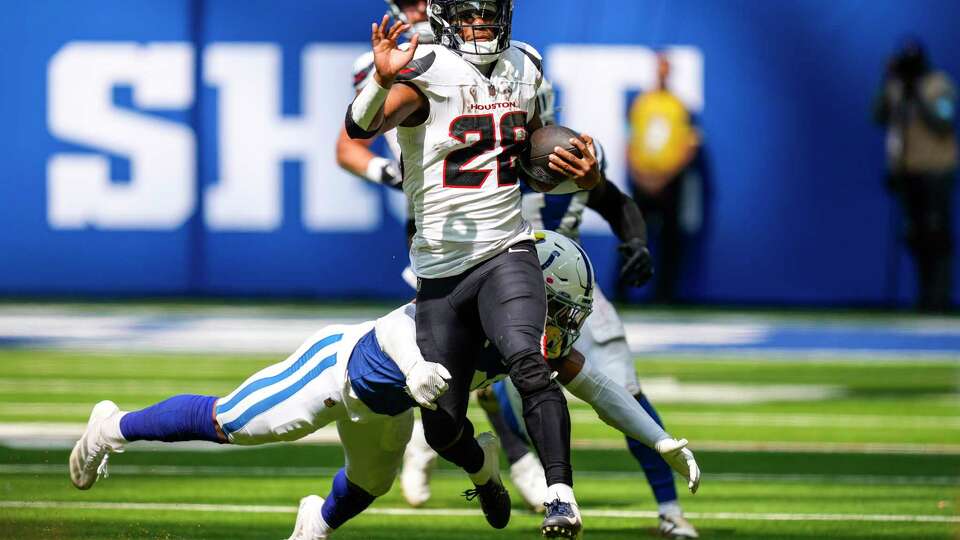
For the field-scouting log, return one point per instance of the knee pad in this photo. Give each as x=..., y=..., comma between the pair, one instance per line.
x=530, y=374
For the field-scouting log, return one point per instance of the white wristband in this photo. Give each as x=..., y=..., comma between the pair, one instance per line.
x=368, y=103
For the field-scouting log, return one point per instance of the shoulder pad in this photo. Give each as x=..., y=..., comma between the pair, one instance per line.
x=425, y=58
x=530, y=53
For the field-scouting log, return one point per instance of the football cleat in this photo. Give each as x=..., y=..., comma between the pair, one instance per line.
x=88, y=459
x=310, y=524
x=527, y=474
x=677, y=526
x=494, y=498
x=419, y=461
x=561, y=521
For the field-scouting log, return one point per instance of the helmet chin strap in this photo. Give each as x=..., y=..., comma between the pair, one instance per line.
x=469, y=50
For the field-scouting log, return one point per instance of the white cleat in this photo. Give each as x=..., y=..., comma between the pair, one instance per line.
x=310, y=524
x=88, y=460
x=527, y=475
x=419, y=461
x=677, y=526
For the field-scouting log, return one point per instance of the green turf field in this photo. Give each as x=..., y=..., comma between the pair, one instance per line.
x=872, y=452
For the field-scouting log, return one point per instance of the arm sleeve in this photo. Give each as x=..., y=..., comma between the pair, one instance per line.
x=397, y=335
x=620, y=211
x=615, y=406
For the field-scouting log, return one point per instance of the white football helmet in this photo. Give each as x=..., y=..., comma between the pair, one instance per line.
x=568, y=277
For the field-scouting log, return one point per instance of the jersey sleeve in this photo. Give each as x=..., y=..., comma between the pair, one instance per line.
x=425, y=72
x=534, y=62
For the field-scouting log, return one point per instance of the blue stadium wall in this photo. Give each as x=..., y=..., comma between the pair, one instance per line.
x=144, y=191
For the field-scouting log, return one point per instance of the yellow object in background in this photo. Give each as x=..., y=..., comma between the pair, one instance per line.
x=661, y=133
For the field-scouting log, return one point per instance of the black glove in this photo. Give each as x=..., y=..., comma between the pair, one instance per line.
x=637, y=266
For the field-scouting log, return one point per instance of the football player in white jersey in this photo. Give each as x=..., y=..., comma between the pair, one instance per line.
x=462, y=109
x=367, y=378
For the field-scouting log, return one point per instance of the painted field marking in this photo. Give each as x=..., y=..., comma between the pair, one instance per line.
x=239, y=471
x=275, y=509
x=63, y=435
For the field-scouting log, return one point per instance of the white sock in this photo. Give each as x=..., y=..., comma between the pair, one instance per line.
x=480, y=477
x=110, y=430
x=562, y=492
x=670, y=508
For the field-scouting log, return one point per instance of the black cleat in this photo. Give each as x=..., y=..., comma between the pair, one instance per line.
x=494, y=498
x=495, y=502
x=561, y=520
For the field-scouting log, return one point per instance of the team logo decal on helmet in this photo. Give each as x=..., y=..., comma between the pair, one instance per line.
x=568, y=277
x=449, y=18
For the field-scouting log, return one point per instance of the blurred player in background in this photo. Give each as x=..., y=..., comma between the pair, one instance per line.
x=662, y=146
x=918, y=106
x=462, y=110
x=355, y=155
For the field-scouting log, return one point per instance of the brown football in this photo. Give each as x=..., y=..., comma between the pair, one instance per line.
x=537, y=156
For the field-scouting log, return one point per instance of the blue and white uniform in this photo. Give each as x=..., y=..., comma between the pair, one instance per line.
x=342, y=374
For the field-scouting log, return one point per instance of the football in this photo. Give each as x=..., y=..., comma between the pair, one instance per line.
x=534, y=162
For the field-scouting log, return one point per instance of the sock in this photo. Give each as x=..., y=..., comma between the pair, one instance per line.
x=659, y=474
x=512, y=444
x=669, y=508
x=180, y=418
x=562, y=492
x=345, y=501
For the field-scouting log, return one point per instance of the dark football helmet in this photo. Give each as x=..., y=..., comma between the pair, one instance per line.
x=423, y=28
x=448, y=18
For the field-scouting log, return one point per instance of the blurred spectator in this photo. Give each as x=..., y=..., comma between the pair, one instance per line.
x=662, y=146
x=918, y=107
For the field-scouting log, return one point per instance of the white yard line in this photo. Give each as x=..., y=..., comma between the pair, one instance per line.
x=628, y=514
x=63, y=435
x=239, y=471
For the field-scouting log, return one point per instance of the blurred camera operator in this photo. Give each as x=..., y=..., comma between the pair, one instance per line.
x=917, y=105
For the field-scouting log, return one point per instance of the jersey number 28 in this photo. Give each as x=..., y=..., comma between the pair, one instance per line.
x=483, y=128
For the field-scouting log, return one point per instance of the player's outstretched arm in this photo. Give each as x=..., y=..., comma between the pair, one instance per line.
x=355, y=157
x=617, y=408
x=382, y=105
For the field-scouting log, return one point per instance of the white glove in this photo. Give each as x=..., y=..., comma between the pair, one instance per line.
x=681, y=460
x=427, y=381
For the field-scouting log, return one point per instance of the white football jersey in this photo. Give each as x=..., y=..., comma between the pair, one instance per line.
x=460, y=165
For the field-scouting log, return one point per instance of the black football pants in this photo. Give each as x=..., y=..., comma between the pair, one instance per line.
x=503, y=300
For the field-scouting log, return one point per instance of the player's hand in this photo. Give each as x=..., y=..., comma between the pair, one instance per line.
x=681, y=460
x=637, y=266
x=585, y=171
x=426, y=382
x=388, y=58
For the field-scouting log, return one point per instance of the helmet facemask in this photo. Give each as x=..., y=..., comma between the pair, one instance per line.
x=451, y=19
x=568, y=278
x=565, y=318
